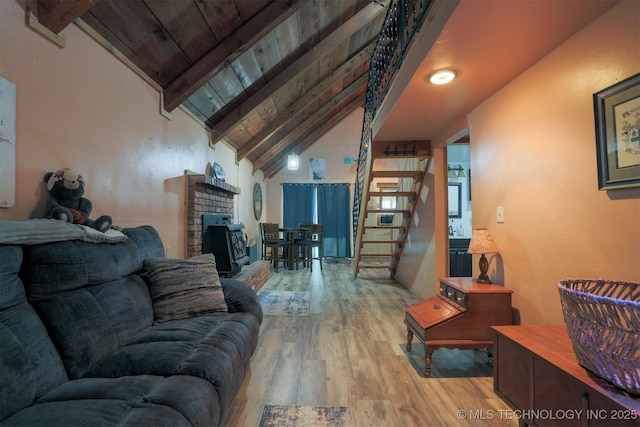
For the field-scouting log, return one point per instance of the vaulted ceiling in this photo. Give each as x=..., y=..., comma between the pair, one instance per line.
x=270, y=77
x=266, y=77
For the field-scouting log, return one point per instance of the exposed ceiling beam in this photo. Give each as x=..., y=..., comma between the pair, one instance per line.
x=231, y=120
x=299, y=106
x=228, y=51
x=312, y=120
x=334, y=117
x=56, y=15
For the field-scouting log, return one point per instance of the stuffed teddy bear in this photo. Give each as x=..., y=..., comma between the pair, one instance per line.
x=65, y=188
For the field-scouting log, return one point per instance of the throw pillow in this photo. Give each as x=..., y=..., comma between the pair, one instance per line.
x=181, y=289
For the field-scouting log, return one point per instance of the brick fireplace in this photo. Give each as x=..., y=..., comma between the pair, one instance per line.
x=208, y=195
x=205, y=195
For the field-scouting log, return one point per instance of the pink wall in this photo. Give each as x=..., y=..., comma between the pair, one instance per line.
x=533, y=152
x=80, y=107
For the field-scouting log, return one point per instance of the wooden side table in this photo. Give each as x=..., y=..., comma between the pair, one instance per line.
x=537, y=374
x=460, y=316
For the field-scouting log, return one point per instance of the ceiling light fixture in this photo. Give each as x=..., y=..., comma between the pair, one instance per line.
x=293, y=162
x=443, y=76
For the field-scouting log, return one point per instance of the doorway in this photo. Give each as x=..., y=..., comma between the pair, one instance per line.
x=460, y=212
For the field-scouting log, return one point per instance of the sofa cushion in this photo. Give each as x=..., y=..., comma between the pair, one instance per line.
x=90, y=323
x=181, y=289
x=241, y=298
x=216, y=347
x=56, y=267
x=29, y=364
x=130, y=401
x=89, y=295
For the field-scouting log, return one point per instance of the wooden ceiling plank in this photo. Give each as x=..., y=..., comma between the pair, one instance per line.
x=287, y=34
x=247, y=9
x=283, y=99
x=205, y=100
x=367, y=14
x=311, y=120
x=195, y=39
x=222, y=17
x=227, y=51
x=133, y=24
x=248, y=71
x=268, y=55
x=227, y=85
x=56, y=15
x=308, y=24
x=355, y=62
x=94, y=28
x=334, y=117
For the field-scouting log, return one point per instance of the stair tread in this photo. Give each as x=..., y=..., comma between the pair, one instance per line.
x=388, y=210
x=380, y=255
x=392, y=193
x=396, y=174
x=374, y=265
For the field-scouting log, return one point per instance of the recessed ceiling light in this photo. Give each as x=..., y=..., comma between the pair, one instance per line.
x=441, y=77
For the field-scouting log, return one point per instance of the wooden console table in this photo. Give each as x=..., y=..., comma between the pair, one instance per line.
x=536, y=372
x=460, y=316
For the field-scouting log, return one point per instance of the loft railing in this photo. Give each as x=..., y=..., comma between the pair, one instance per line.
x=403, y=19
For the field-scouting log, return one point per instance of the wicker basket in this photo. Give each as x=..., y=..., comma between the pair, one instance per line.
x=603, y=322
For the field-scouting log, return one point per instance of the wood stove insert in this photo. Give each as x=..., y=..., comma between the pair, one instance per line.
x=226, y=242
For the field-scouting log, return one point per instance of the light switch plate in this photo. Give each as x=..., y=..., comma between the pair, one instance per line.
x=500, y=214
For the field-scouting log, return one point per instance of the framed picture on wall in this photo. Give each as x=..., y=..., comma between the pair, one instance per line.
x=617, y=117
x=455, y=200
x=317, y=169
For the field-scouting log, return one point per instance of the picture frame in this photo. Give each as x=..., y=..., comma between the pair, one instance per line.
x=257, y=201
x=617, y=122
x=455, y=200
x=317, y=169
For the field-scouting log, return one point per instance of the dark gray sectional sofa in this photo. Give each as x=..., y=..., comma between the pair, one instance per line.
x=79, y=345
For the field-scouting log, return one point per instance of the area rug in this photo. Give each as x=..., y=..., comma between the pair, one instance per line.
x=306, y=416
x=284, y=303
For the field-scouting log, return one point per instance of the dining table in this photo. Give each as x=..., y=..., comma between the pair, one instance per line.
x=289, y=234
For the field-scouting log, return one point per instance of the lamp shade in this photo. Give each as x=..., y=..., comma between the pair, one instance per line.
x=482, y=242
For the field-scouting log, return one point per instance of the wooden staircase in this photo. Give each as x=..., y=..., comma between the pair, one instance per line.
x=395, y=172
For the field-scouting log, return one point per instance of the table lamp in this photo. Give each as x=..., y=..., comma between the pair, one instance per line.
x=482, y=243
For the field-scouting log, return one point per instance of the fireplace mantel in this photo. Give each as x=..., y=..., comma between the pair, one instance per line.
x=213, y=182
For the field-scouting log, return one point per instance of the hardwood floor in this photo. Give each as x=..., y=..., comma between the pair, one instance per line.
x=350, y=351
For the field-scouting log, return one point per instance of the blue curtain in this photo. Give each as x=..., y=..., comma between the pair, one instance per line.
x=334, y=213
x=297, y=204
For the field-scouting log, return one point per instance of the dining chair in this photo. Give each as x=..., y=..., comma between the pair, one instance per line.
x=264, y=247
x=313, y=239
x=300, y=237
x=274, y=245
